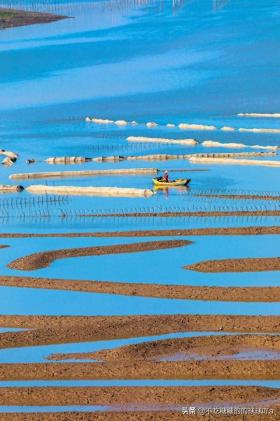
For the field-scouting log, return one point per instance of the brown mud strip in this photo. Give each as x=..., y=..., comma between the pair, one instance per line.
x=185, y=348
x=173, y=214
x=238, y=196
x=133, y=370
x=135, y=416
x=259, y=264
x=189, y=292
x=185, y=396
x=251, y=230
x=44, y=259
x=46, y=330
x=10, y=18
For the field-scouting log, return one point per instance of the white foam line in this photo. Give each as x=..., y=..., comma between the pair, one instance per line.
x=214, y=144
x=184, y=126
x=99, y=120
x=227, y=129
x=254, y=130
x=108, y=121
x=259, y=115
x=151, y=124
x=206, y=143
x=187, y=126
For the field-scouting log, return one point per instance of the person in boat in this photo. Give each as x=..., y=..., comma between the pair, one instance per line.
x=165, y=177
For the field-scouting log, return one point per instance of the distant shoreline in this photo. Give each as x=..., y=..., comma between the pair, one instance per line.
x=11, y=18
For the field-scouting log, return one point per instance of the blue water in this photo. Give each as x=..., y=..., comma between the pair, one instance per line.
x=189, y=61
x=135, y=383
x=37, y=354
x=199, y=62
x=137, y=267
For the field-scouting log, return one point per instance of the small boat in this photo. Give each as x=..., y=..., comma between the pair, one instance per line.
x=174, y=183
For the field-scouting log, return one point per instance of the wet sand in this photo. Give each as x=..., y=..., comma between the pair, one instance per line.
x=189, y=292
x=65, y=329
x=44, y=259
x=259, y=264
x=173, y=214
x=10, y=18
x=195, y=370
x=129, y=416
x=240, y=196
x=251, y=230
x=126, y=395
x=183, y=348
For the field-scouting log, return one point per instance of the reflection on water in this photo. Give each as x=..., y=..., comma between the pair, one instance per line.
x=220, y=4
x=54, y=6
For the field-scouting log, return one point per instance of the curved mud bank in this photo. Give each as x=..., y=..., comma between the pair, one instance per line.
x=44, y=330
x=139, y=369
x=44, y=259
x=10, y=18
x=184, y=349
x=240, y=294
x=259, y=230
x=237, y=265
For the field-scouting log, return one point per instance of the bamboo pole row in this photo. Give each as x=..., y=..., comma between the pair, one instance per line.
x=166, y=157
x=219, y=161
x=151, y=157
x=188, y=142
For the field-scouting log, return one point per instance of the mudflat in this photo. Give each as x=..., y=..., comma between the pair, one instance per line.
x=188, y=292
x=10, y=18
x=45, y=330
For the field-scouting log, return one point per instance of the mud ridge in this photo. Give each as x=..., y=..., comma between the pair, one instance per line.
x=44, y=259
x=44, y=330
x=260, y=264
x=250, y=230
x=188, y=292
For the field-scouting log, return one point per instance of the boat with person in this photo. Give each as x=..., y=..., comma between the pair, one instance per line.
x=161, y=182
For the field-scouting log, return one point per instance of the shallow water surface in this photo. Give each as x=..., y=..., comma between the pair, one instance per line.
x=195, y=62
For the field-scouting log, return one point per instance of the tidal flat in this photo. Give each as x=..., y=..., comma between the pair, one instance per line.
x=139, y=307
